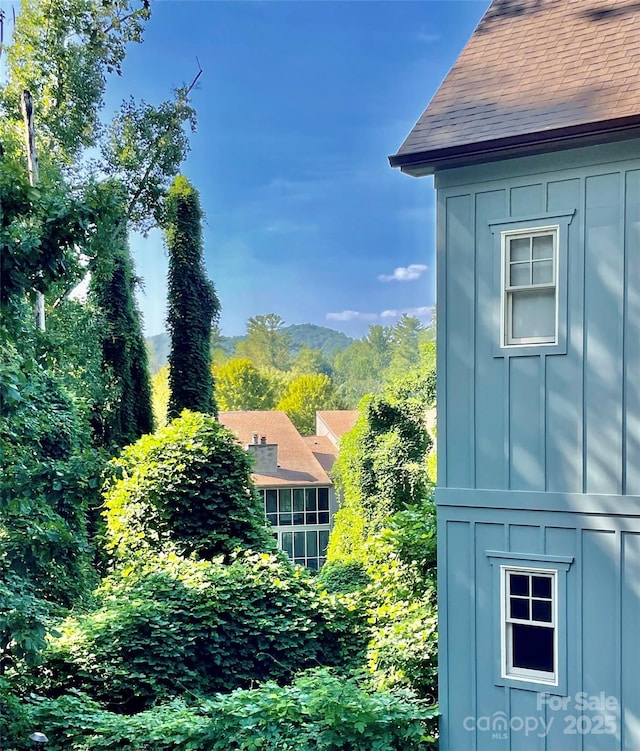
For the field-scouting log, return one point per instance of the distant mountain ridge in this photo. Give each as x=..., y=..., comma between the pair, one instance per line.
x=329, y=341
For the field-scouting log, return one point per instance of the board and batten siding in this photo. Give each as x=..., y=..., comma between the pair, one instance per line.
x=602, y=610
x=566, y=423
x=539, y=449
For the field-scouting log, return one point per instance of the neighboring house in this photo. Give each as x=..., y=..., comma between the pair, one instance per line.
x=334, y=423
x=534, y=141
x=291, y=474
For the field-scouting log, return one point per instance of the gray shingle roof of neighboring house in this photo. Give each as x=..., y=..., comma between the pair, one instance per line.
x=535, y=75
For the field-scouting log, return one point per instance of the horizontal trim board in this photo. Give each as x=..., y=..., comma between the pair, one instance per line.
x=506, y=556
x=527, y=500
x=523, y=168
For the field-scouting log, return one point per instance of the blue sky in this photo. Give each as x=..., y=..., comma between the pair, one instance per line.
x=299, y=105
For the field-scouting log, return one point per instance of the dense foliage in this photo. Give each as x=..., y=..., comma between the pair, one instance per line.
x=127, y=414
x=61, y=52
x=193, y=304
x=197, y=633
x=319, y=711
x=167, y=625
x=304, y=396
x=382, y=463
x=240, y=385
x=186, y=488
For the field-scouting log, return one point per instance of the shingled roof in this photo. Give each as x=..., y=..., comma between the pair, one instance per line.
x=297, y=465
x=535, y=75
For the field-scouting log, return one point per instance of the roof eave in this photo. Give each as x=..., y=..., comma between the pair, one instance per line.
x=418, y=164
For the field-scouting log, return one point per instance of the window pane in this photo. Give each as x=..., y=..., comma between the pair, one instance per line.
x=533, y=314
x=312, y=563
x=542, y=586
x=311, y=499
x=312, y=518
x=532, y=647
x=324, y=540
x=285, y=518
x=323, y=517
x=543, y=272
x=519, y=608
x=518, y=584
x=323, y=499
x=519, y=276
x=271, y=501
x=298, y=518
x=298, y=500
x=519, y=247
x=543, y=246
x=285, y=500
x=312, y=543
x=285, y=495
x=541, y=611
x=272, y=518
x=298, y=544
x=287, y=543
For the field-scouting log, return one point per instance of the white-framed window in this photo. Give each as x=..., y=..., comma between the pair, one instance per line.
x=529, y=638
x=530, y=286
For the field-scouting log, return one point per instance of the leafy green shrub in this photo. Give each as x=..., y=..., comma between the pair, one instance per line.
x=171, y=625
x=319, y=712
x=49, y=476
x=343, y=576
x=381, y=467
x=402, y=596
x=186, y=488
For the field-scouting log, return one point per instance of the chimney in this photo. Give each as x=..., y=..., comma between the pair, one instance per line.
x=265, y=455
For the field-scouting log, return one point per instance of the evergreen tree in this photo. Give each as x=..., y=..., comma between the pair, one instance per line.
x=192, y=301
x=267, y=344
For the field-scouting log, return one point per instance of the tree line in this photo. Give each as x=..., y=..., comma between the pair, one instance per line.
x=266, y=370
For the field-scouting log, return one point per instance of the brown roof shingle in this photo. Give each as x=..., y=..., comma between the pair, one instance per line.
x=335, y=422
x=533, y=66
x=296, y=463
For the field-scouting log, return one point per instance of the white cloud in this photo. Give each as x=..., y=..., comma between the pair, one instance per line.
x=351, y=315
x=404, y=274
x=354, y=315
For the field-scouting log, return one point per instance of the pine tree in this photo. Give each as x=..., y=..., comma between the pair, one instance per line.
x=192, y=301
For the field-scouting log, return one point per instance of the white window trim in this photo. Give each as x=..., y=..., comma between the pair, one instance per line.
x=506, y=657
x=533, y=562
x=506, y=338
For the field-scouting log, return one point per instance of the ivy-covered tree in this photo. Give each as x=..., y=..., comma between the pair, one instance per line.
x=381, y=468
x=129, y=413
x=192, y=302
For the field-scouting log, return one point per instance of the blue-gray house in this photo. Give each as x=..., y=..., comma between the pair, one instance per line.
x=534, y=142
